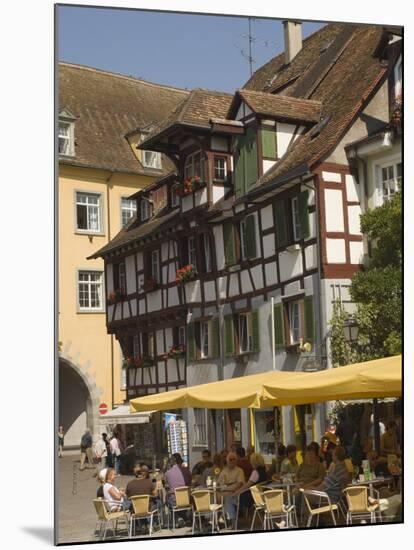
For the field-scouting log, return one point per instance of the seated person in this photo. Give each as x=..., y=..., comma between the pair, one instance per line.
x=290, y=465
x=177, y=476
x=101, y=480
x=141, y=485
x=199, y=468
x=243, y=462
x=274, y=469
x=233, y=477
x=213, y=471
x=115, y=497
x=258, y=475
x=338, y=478
x=311, y=472
x=389, y=440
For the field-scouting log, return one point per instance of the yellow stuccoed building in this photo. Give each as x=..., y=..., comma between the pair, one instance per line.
x=102, y=117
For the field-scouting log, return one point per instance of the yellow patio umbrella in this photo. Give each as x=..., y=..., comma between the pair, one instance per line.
x=233, y=393
x=371, y=379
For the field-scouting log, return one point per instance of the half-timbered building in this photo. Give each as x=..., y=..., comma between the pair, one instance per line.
x=235, y=259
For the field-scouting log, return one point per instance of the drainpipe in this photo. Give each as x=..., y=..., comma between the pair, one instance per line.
x=112, y=336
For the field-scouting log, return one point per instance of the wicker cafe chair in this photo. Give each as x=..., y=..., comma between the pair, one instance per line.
x=106, y=518
x=182, y=502
x=315, y=511
x=258, y=503
x=203, y=507
x=141, y=510
x=358, y=505
x=275, y=507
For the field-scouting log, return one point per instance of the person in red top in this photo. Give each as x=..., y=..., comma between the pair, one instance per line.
x=243, y=462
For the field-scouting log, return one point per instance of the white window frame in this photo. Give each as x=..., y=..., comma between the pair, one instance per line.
x=200, y=428
x=145, y=209
x=128, y=210
x=295, y=321
x=245, y=332
x=297, y=228
x=190, y=165
x=156, y=265
x=69, y=138
x=89, y=283
x=204, y=339
x=192, y=251
x=207, y=253
x=377, y=173
x=175, y=197
x=181, y=336
x=224, y=168
x=151, y=159
x=398, y=77
x=89, y=207
x=122, y=277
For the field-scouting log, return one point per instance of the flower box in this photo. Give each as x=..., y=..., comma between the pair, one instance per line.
x=149, y=284
x=189, y=185
x=175, y=352
x=137, y=362
x=116, y=296
x=185, y=274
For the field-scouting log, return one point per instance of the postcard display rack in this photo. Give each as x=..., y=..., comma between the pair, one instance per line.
x=177, y=436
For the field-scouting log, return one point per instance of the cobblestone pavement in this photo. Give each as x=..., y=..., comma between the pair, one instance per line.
x=76, y=514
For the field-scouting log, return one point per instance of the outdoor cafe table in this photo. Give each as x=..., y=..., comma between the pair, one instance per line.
x=371, y=483
x=289, y=485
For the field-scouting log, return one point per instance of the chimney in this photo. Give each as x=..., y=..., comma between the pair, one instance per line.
x=293, y=39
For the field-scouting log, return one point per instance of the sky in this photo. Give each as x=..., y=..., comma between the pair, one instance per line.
x=182, y=50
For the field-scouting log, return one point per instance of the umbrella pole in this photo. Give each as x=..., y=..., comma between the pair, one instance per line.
x=377, y=435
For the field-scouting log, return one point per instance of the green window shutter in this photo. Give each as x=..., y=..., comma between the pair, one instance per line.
x=279, y=326
x=268, y=142
x=215, y=339
x=255, y=330
x=303, y=213
x=229, y=243
x=251, y=158
x=280, y=223
x=250, y=224
x=309, y=320
x=239, y=167
x=191, y=343
x=228, y=335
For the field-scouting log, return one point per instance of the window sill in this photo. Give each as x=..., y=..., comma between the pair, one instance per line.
x=89, y=233
x=89, y=311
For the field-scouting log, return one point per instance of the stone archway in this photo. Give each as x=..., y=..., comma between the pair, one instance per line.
x=78, y=402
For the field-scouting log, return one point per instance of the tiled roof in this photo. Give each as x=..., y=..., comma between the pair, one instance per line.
x=195, y=110
x=107, y=106
x=289, y=108
x=349, y=74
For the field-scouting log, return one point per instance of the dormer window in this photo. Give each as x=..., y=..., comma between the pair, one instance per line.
x=194, y=166
x=151, y=159
x=66, y=133
x=145, y=209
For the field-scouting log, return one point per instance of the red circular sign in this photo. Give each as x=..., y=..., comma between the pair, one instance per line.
x=103, y=408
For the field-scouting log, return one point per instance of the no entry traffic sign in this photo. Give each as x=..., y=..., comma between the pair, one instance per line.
x=103, y=408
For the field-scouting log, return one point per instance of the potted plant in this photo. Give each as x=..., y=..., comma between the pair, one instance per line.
x=149, y=284
x=189, y=185
x=396, y=115
x=185, y=274
x=116, y=295
x=176, y=352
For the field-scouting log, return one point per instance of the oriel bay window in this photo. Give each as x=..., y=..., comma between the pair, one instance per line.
x=240, y=240
x=203, y=340
x=241, y=333
x=294, y=322
x=194, y=166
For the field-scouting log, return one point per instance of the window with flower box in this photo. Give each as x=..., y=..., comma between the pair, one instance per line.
x=152, y=269
x=194, y=166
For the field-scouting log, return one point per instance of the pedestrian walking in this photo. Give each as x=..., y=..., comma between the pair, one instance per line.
x=115, y=445
x=86, y=450
x=61, y=435
x=109, y=462
x=101, y=453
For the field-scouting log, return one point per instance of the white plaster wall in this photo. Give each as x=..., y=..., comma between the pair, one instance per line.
x=234, y=285
x=218, y=192
x=134, y=307
x=193, y=291
x=161, y=375
x=140, y=261
x=352, y=188
x=173, y=299
x=257, y=275
x=219, y=143
x=125, y=308
x=267, y=165
x=164, y=274
x=284, y=134
x=356, y=250
x=292, y=288
x=109, y=279
x=110, y=312
x=142, y=307
x=130, y=274
x=243, y=111
x=201, y=196
x=290, y=264
x=154, y=300
x=222, y=285
x=267, y=217
x=187, y=202
x=245, y=281
x=332, y=177
x=271, y=273
x=239, y=208
x=312, y=226
x=169, y=337
x=160, y=342
x=164, y=251
x=269, y=245
x=354, y=213
x=308, y=284
x=118, y=311
x=334, y=210
x=335, y=251
x=172, y=272
x=218, y=239
x=311, y=257
x=209, y=291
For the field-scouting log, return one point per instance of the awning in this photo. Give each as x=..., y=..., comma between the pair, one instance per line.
x=123, y=415
x=234, y=393
x=371, y=379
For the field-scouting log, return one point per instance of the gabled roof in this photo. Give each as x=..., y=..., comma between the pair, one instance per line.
x=107, y=106
x=349, y=79
x=277, y=106
x=194, y=111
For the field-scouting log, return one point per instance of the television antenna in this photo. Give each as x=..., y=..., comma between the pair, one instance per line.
x=250, y=40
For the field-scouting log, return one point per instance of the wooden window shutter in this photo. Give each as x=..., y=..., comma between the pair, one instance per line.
x=252, y=171
x=229, y=335
x=251, y=236
x=279, y=326
x=229, y=243
x=215, y=338
x=239, y=167
x=303, y=213
x=309, y=335
x=268, y=143
x=191, y=342
x=280, y=223
x=255, y=330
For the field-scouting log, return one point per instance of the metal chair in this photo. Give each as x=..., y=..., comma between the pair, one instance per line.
x=275, y=507
x=182, y=502
x=203, y=507
x=258, y=503
x=316, y=511
x=358, y=505
x=105, y=518
x=141, y=510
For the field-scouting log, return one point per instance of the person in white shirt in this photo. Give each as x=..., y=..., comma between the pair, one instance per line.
x=101, y=452
x=115, y=446
x=114, y=497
